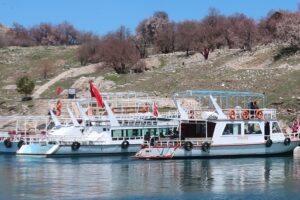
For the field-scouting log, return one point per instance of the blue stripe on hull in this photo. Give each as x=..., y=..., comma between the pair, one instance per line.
x=12, y=150
x=94, y=150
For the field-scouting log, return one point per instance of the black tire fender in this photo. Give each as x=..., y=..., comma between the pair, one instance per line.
x=287, y=141
x=7, y=143
x=125, y=144
x=205, y=147
x=20, y=144
x=269, y=143
x=75, y=146
x=188, y=146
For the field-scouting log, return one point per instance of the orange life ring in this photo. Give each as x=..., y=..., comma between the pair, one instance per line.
x=58, y=105
x=259, y=114
x=245, y=115
x=231, y=114
x=58, y=112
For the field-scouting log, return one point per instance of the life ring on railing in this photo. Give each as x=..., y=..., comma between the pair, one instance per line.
x=58, y=112
x=259, y=114
x=125, y=144
x=287, y=141
x=269, y=143
x=205, y=146
x=144, y=109
x=58, y=104
x=75, y=146
x=58, y=107
x=20, y=144
x=7, y=143
x=188, y=146
x=231, y=114
x=245, y=115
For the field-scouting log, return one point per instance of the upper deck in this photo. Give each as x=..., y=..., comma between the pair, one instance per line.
x=232, y=105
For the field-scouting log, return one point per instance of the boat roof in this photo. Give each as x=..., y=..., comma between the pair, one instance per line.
x=201, y=93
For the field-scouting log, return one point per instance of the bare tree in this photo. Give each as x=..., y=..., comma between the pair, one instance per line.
x=267, y=26
x=165, y=38
x=186, y=33
x=288, y=29
x=142, y=40
x=46, y=68
x=21, y=35
x=148, y=28
x=118, y=51
x=242, y=31
x=87, y=52
x=211, y=33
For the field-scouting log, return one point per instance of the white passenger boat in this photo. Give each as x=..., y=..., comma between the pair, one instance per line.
x=103, y=135
x=15, y=131
x=210, y=131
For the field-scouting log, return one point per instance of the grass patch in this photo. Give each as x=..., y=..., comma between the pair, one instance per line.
x=118, y=79
x=162, y=62
x=64, y=84
x=285, y=52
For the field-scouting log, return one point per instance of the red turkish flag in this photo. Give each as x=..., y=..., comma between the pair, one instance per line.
x=155, y=111
x=58, y=90
x=95, y=93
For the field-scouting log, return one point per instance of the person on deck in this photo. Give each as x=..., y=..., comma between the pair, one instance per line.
x=251, y=108
x=255, y=106
x=295, y=125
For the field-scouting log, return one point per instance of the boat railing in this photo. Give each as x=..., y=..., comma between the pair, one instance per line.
x=28, y=138
x=137, y=123
x=245, y=114
x=234, y=114
x=128, y=138
x=176, y=142
x=292, y=136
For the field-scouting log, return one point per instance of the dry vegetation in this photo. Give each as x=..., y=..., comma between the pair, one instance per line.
x=218, y=52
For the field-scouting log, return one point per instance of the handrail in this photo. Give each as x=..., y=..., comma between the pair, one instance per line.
x=234, y=113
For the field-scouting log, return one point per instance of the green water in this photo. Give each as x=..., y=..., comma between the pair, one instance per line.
x=124, y=178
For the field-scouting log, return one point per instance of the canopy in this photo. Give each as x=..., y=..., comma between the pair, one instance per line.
x=227, y=95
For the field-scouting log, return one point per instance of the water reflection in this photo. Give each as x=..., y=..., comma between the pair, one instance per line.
x=120, y=177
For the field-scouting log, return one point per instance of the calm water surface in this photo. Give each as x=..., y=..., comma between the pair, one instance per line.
x=124, y=178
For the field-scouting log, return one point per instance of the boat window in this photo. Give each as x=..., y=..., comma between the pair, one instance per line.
x=193, y=130
x=232, y=129
x=152, y=131
x=129, y=133
x=116, y=133
x=252, y=128
x=135, y=132
x=275, y=127
x=210, y=129
x=162, y=132
x=145, y=131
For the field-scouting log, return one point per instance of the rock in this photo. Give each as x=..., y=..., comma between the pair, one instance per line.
x=277, y=103
x=289, y=110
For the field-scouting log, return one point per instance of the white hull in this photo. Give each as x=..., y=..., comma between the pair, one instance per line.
x=216, y=151
x=52, y=150
x=86, y=148
x=92, y=150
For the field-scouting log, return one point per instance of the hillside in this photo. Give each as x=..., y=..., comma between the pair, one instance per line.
x=226, y=69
